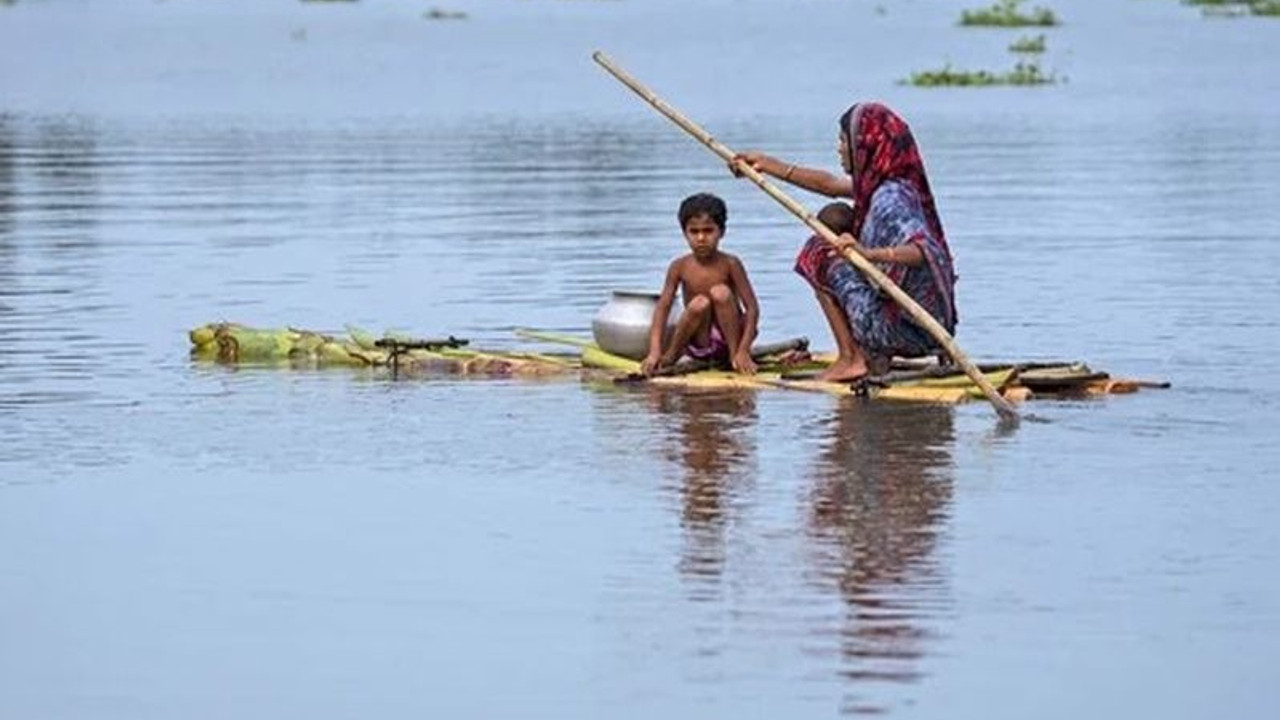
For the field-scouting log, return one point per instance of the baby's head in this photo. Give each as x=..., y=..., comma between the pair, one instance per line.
x=838, y=216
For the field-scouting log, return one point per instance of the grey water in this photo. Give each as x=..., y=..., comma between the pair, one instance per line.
x=188, y=540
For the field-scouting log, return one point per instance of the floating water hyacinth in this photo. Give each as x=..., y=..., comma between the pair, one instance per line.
x=1028, y=44
x=442, y=14
x=1022, y=74
x=1007, y=13
x=1236, y=8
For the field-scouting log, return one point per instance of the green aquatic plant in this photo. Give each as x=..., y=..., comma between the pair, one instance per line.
x=442, y=14
x=1029, y=73
x=1224, y=11
x=950, y=77
x=1236, y=8
x=1028, y=44
x=1008, y=13
x=1022, y=74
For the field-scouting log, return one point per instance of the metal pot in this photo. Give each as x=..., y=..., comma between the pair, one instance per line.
x=621, y=326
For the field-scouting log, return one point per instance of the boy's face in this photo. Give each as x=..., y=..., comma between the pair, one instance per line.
x=703, y=235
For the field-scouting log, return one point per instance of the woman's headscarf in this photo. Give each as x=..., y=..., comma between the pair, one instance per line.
x=881, y=147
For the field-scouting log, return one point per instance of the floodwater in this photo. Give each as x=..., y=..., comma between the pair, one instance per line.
x=184, y=540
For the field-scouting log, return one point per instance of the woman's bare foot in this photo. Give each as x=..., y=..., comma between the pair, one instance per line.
x=844, y=371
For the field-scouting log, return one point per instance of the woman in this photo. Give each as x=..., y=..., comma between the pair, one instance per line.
x=895, y=223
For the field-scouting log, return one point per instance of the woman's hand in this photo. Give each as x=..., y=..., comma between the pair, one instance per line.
x=758, y=161
x=849, y=242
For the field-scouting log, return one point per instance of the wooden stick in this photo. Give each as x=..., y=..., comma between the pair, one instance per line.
x=869, y=270
x=557, y=338
x=420, y=343
x=758, y=352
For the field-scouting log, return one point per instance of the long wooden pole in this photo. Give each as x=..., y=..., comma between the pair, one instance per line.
x=872, y=273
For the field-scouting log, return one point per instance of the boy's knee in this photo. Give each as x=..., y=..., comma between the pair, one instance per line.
x=699, y=305
x=720, y=294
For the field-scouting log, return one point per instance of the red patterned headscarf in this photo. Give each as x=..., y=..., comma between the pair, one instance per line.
x=881, y=147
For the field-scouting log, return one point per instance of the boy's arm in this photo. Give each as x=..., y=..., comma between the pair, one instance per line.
x=750, y=306
x=658, y=325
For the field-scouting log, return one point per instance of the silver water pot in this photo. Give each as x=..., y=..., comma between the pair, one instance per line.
x=621, y=326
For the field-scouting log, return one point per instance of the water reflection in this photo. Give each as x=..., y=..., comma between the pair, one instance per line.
x=8, y=253
x=710, y=441
x=880, y=497
x=8, y=143
x=64, y=165
x=567, y=188
x=50, y=183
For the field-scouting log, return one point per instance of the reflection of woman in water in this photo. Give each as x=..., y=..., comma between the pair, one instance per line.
x=880, y=496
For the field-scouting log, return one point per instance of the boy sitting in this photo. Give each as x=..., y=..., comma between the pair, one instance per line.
x=720, y=310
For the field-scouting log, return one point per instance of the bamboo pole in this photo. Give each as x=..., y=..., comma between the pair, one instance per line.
x=869, y=270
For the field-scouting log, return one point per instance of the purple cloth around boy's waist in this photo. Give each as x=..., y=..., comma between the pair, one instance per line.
x=715, y=348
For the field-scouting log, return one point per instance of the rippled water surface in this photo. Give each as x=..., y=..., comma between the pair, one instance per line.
x=185, y=540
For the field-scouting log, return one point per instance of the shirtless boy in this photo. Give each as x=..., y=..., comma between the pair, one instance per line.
x=720, y=310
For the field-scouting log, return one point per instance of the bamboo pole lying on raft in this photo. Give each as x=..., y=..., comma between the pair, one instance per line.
x=869, y=270
x=758, y=352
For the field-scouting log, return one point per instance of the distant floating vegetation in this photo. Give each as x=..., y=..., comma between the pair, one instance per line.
x=1028, y=44
x=1224, y=11
x=1027, y=72
x=1022, y=74
x=1007, y=13
x=1236, y=8
x=441, y=14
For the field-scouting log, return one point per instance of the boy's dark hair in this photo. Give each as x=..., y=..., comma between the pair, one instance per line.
x=703, y=204
x=838, y=216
